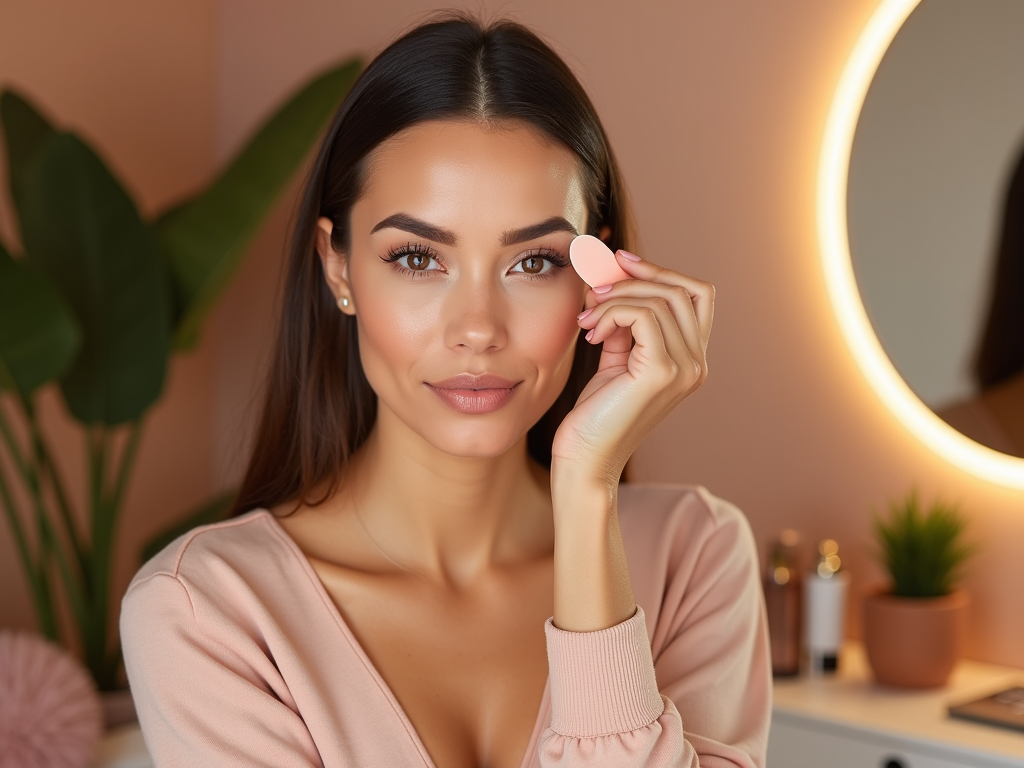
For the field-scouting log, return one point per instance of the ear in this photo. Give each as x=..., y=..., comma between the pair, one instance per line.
x=335, y=265
x=604, y=233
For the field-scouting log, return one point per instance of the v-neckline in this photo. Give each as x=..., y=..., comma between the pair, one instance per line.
x=357, y=648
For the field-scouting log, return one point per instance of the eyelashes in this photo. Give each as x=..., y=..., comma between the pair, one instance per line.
x=424, y=252
x=410, y=249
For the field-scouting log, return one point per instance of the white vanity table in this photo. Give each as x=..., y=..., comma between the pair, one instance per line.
x=847, y=721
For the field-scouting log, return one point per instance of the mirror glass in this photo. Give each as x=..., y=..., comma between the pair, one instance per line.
x=935, y=208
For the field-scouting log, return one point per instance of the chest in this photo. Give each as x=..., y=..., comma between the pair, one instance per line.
x=469, y=672
x=468, y=669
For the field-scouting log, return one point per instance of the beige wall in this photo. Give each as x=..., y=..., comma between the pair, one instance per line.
x=716, y=111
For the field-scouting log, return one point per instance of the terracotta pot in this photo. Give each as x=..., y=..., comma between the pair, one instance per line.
x=914, y=642
x=118, y=708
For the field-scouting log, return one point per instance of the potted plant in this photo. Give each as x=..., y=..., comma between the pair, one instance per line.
x=913, y=629
x=97, y=301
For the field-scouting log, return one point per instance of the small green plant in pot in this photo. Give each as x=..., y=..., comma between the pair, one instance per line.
x=913, y=630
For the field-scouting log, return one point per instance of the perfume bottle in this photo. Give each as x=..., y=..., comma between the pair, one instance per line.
x=782, y=601
x=825, y=591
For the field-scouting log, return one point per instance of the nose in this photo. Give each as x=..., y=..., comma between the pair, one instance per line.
x=475, y=315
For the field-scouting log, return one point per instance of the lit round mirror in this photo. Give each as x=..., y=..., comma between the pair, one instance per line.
x=921, y=223
x=935, y=211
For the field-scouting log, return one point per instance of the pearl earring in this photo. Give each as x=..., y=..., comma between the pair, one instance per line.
x=343, y=302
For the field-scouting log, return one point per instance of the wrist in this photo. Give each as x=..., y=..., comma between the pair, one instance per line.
x=579, y=499
x=575, y=477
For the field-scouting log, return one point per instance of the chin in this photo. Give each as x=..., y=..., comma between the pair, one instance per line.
x=476, y=441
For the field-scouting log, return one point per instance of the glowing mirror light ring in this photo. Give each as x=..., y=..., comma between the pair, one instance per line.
x=833, y=241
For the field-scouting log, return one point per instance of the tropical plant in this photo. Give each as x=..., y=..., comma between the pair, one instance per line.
x=922, y=549
x=97, y=301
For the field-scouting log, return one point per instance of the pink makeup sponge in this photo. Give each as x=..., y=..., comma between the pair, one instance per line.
x=594, y=261
x=50, y=712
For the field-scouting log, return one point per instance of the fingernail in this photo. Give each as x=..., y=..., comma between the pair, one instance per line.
x=602, y=289
x=629, y=256
x=581, y=315
x=590, y=335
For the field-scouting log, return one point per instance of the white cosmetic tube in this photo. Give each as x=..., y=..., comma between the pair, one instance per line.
x=824, y=619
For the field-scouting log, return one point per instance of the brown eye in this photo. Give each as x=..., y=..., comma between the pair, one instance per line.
x=533, y=265
x=418, y=261
x=537, y=264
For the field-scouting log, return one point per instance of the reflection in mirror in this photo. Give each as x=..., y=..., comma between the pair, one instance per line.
x=936, y=213
x=994, y=414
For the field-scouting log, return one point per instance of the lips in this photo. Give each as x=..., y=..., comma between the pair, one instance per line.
x=475, y=381
x=474, y=393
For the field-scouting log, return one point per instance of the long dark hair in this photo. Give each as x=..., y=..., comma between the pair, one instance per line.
x=318, y=407
x=1000, y=352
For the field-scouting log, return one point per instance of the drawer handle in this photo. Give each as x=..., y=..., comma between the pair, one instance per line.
x=893, y=762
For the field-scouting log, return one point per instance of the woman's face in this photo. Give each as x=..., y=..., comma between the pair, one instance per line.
x=459, y=266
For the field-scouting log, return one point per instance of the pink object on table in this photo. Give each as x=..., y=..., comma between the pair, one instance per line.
x=595, y=262
x=50, y=711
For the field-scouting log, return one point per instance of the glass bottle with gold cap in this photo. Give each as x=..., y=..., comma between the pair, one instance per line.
x=782, y=597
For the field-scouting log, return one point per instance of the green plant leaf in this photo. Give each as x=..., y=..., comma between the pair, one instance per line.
x=923, y=551
x=205, y=238
x=82, y=230
x=38, y=333
x=25, y=129
x=212, y=511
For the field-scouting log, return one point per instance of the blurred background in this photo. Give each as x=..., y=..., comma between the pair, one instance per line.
x=715, y=110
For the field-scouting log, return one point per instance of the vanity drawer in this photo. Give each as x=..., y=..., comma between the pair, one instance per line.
x=794, y=744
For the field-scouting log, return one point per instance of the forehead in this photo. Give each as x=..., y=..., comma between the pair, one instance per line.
x=468, y=174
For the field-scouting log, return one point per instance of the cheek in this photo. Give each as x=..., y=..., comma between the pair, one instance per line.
x=397, y=323
x=544, y=321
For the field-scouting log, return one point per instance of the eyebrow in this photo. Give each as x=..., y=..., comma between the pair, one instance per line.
x=408, y=223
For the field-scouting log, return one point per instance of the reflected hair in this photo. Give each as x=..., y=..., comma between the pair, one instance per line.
x=317, y=405
x=1000, y=354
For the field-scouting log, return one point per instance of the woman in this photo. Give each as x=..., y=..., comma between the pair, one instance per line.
x=431, y=560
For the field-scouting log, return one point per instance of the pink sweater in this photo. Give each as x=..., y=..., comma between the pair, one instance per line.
x=237, y=656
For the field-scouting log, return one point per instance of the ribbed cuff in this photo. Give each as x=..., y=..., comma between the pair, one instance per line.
x=602, y=682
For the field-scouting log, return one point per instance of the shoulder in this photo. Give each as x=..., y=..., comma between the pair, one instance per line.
x=679, y=510
x=686, y=547
x=237, y=581
x=210, y=550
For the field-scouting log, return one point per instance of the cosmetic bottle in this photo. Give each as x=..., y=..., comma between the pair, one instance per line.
x=782, y=601
x=825, y=591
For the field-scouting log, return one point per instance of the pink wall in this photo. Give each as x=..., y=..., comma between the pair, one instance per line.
x=716, y=112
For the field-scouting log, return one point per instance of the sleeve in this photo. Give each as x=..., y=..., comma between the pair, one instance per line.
x=200, y=702
x=705, y=701
x=606, y=709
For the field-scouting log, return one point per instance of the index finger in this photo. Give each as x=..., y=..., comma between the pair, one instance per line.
x=702, y=294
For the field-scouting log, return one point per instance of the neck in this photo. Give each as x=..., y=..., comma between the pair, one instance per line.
x=448, y=518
